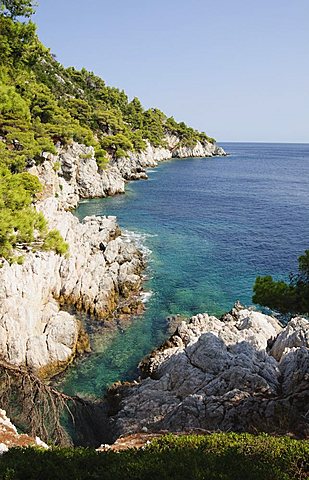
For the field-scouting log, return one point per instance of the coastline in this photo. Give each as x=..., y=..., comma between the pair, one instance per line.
x=102, y=272
x=243, y=372
x=120, y=414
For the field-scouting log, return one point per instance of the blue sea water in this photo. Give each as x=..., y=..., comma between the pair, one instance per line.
x=212, y=225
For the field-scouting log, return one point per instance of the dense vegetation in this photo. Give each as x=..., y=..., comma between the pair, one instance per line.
x=212, y=457
x=21, y=225
x=23, y=137
x=43, y=104
x=292, y=297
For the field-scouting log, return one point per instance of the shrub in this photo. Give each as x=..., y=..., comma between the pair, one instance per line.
x=211, y=457
x=54, y=241
x=56, y=166
x=292, y=297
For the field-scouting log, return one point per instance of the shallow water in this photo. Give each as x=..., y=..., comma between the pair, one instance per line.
x=212, y=226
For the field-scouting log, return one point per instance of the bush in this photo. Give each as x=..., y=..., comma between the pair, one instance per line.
x=292, y=297
x=191, y=457
x=54, y=241
x=21, y=226
x=56, y=166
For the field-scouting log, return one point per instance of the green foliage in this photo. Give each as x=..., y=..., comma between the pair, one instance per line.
x=193, y=457
x=86, y=156
x=18, y=219
x=274, y=294
x=303, y=266
x=292, y=297
x=188, y=136
x=43, y=104
x=153, y=126
x=134, y=114
x=13, y=106
x=54, y=241
x=117, y=144
x=56, y=166
x=17, y=8
x=101, y=157
x=19, y=45
x=21, y=226
x=137, y=140
x=78, y=109
x=24, y=136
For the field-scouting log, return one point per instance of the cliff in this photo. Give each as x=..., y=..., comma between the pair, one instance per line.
x=35, y=330
x=133, y=167
x=101, y=274
x=79, y=176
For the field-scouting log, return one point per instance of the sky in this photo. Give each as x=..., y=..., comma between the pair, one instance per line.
x=236, y=69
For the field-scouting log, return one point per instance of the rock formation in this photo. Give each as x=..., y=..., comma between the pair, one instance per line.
x=9, y=437
x=134, y=167
x=102, y=268
x=73, y=173
x=101, y=274
x=243, y=372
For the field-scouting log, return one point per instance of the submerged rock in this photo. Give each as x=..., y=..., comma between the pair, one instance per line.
x=218, y=374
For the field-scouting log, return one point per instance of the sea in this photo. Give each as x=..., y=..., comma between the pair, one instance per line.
x=208, y=227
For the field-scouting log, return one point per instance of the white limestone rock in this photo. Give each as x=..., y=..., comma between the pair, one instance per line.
x=134, y=167
x=10, y=438
x=218, y=374
x=3, y=448
x=73, y=174
x=33, y=329
x=295, y=335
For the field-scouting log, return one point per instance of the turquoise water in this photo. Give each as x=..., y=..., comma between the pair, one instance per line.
x=212, y=226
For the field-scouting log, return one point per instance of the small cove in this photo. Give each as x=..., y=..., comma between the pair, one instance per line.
x=210, y=226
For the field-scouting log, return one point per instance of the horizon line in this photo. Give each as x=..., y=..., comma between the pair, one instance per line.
x=262, y=141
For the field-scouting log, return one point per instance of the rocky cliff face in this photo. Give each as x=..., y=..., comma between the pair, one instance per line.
x=73, y=173
x=134, y=167
x=244, y=372
x=101, y=274
x=103, y=269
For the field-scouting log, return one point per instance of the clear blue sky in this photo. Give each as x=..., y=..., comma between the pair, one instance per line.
x=238, y=69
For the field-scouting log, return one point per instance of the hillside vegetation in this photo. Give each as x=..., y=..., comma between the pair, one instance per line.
x=44, y=105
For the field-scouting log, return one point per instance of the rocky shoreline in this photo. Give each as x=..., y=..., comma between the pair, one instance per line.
x=102, y=273
x=36, y=331
x=244, y=372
